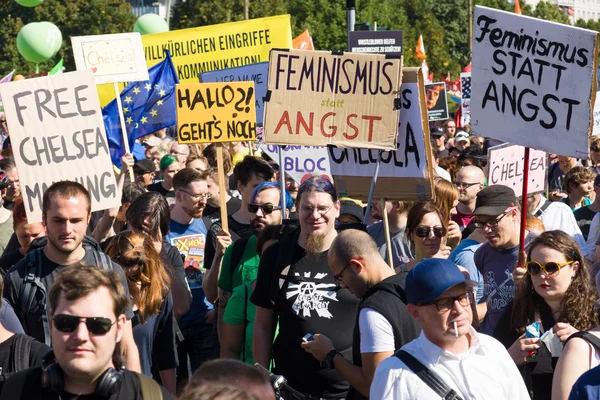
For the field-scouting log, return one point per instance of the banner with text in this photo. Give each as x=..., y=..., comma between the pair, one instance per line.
x=375, y=42
x=505, y=167
x=300, y=161
x=404, y=174
x=253, y=72
x=111, y=58
x=57, y=133
x=596, y=128
x=319, y=98
x=534, y=82
x=215, y=112
x=465, y=103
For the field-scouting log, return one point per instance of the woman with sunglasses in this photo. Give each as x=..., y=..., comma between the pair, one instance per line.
x=151, y=301
x=426, y=229
x=556, y=292
x=446, y=200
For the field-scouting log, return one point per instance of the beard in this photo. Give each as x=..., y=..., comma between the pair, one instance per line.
x=194, y=212
x=314, y=245
x=257, y=225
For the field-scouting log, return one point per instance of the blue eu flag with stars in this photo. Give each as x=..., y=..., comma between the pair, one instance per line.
x=147, y=107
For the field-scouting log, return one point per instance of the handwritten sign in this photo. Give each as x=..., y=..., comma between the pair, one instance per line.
x=215, y=112
x=319, y=98
x=405, y=173
x=505, y=167
x=596, y=128
x=376, y=42
x=111, y=58
x=256, y=73
x=300, y=161
x=534, y=82
x=57, y=133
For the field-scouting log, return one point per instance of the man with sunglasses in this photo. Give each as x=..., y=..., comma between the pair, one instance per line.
x=383, y=325
x=87, y=320
x=187, y=232
x=498, y=217
x=473, y=365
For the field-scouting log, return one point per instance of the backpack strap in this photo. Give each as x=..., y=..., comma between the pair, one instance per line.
x=588, y=337
x=149, y=388
x=20, y=351
x=426, y=375
x=543, y=208
x=29, y=292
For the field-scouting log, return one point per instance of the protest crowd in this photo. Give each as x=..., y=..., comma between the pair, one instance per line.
x=180, y=243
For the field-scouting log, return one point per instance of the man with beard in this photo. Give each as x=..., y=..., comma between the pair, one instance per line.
x=469, y=182
x=187, y=232
x=397, y=212
x=296, y=285
x=240, y=262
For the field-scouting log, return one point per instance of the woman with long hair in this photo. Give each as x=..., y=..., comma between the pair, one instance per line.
x=557, y=293
x=151, y=302
x=446, y=199
x=426, y=229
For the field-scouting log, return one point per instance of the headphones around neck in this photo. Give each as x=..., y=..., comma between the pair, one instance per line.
x=108, y=383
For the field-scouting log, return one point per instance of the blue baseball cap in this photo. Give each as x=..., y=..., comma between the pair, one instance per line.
x=432, y=277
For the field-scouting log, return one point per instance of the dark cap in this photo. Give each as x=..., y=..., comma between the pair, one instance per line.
x=494, y=200
x=351, y=208
x=432, y=277
x=436, y=131
x=144, y=166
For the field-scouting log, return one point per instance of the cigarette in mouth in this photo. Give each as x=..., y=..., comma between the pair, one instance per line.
x=455, y=329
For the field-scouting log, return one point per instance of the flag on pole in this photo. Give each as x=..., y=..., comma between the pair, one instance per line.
x=147, y=107
x=517, y=7
x=420, y=50
x=57, y=69
x=303, y=41
x=8, y=77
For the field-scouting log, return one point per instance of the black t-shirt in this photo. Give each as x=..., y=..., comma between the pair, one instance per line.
x=28, y=385
x=158, y=187
x=9, y=259
x=13, y=288
x=237, y=231
x=36, y=353
x=233, y=205
x=583, y=216
x=312, y=302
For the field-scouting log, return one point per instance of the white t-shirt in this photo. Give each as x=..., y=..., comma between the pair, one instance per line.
x=376, y=333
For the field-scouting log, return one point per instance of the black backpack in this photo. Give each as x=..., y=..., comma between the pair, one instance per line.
x=34, y=295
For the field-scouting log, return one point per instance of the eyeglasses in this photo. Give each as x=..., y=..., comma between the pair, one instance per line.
x=550, y=269
x=197, y=197
x=266, y=208
x=338, y=277
x=490, y=223
x=445, y=304
x=465, y=185
x=69, y=323
x=321, y=209
x=424, y=231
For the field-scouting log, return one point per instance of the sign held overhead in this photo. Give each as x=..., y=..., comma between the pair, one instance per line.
x=506, y=168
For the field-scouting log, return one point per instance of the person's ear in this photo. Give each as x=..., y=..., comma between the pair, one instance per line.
x=575, y=269
x=121, y=321
x=413, y=310
x=239, y=186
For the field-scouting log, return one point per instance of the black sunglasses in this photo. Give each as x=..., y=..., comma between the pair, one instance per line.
x=69, y=323
x=266, y=208
x=423, y=231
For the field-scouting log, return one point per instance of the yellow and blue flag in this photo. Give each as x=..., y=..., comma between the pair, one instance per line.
x=147, y=107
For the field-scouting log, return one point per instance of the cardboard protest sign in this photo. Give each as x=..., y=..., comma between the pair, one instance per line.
x=465, y=104
x=57, y=133
x=300, y=161
x=376, y=42
x=534, y=82
x=319, y=98
x=505, y=167
x=596, y=128
x=253, y=72
x=215, y=112
x=436, y=101
x=404, y=174
x=111, y=58
x=212, y=47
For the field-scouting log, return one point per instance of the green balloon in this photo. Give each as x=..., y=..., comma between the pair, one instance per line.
x=150, y=23
x=29, y=3
x=39, y=41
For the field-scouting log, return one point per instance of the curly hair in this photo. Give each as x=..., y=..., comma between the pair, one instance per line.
x=577, y=306
x=130, y=249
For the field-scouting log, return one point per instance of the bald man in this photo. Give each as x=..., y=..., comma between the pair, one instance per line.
x=384, y=324
x=469, y=182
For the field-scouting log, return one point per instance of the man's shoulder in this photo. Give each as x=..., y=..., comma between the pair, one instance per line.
x=134, y=380
x=559, y=206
